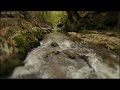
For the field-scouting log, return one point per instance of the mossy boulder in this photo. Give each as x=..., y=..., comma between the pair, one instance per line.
x=21, y=45
x=38, y=33
x=18, y=35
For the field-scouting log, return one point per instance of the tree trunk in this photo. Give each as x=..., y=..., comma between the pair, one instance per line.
x=76, y=16
x=70, y=16
x=73, y=16
x=118, y=24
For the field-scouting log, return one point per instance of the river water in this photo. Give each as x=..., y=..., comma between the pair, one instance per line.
x=58, y=57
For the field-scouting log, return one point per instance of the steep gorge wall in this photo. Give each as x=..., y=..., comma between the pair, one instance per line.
x=91, y=20
x=20, y=31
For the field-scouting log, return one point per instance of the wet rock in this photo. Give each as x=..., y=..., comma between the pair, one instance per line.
x=83, y=37
x=70, y=54
x=72, y=33
x=93, y=75
x=60, y=25
x=85, y=58
x=54, y=53
x=107, y=45
x=111, y=34
x=54, y=44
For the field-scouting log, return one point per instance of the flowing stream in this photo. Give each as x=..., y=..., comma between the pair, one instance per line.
x=58, y=57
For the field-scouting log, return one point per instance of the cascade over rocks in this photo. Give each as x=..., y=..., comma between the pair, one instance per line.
x=59, y=57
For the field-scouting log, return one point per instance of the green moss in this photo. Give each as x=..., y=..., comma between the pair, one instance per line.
x=20, y=40
x=19, y=37
x=7, y=67
x=32, y=38
x=38, y=34
x=22, y=45
x=27, y=41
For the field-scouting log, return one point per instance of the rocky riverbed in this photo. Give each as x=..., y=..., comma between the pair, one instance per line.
x=60, y=57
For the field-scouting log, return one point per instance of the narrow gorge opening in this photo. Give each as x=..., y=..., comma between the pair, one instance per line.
x=59, y=44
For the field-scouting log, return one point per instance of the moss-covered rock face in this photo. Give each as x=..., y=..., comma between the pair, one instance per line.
x=18, y=34
x=73, y=27
x=21, y=45
x=28, y=40
x=14, y=52
x=91, y=20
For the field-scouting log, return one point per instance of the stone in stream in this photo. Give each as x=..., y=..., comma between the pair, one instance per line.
x=70, y=54
x=85, y=58
x=54, y=52
x=54, y=44
x=111, y=34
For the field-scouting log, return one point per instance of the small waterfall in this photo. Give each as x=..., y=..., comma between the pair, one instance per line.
x=65, y=59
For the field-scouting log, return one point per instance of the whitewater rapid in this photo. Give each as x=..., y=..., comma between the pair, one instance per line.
x=66, y=60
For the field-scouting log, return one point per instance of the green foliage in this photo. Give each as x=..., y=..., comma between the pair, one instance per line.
x=37, y=32
x=5, y=48
x=54, y=17
x=21, y=45
x=20, y=40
